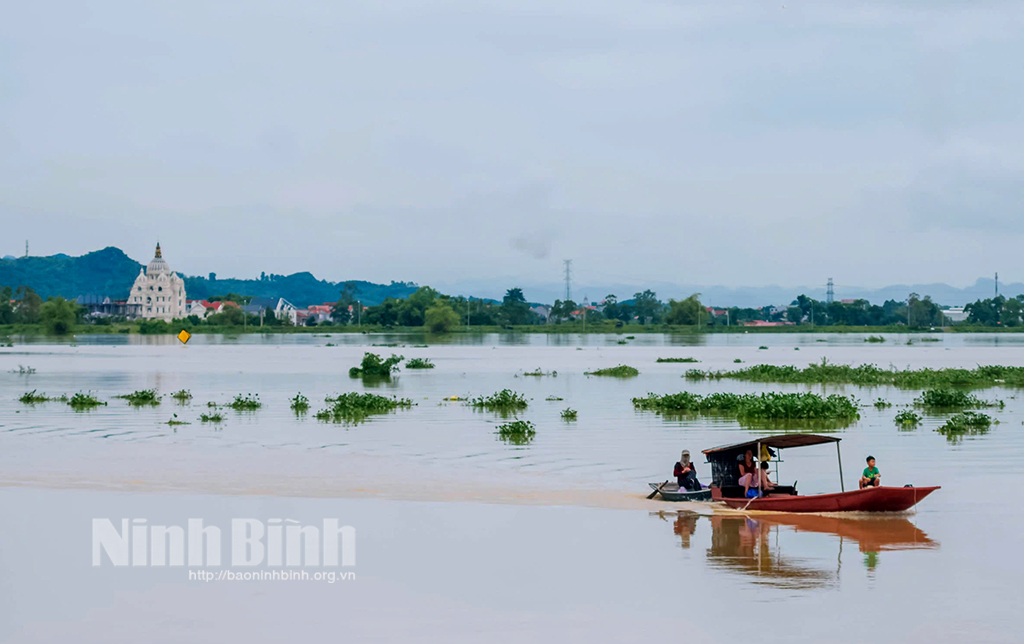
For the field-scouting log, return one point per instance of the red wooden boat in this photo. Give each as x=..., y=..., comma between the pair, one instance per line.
x=784, y=498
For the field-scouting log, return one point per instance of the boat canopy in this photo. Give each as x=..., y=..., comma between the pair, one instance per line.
x=780, y=441
x=723, y=459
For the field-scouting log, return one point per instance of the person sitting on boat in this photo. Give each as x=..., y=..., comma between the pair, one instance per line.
x=766, y=482
x=748, y=472
x=871, y=476
x=686, y=473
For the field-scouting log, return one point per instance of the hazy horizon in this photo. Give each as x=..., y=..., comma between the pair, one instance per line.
x=751, y=144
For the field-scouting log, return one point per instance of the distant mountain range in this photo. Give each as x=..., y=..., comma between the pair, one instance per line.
x=109, y=272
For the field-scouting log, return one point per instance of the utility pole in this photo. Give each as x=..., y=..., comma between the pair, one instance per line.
x=829, y=293
x=584, y=309
x=568, y=279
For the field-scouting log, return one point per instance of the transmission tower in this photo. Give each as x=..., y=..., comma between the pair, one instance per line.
x=568, y=279
x=997, y=282
x=829, y=293
x=26, y=248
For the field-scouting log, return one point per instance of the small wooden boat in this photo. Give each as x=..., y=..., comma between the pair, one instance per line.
x=672, y=492
x=784, y=498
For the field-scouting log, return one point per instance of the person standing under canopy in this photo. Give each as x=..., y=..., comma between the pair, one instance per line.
x=686, y=473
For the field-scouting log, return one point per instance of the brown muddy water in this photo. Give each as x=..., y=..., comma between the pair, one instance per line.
x=465, y=538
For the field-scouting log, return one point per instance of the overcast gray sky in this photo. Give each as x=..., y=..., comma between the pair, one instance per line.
x=740, y=143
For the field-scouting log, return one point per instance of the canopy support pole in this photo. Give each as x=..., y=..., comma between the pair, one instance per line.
x=839, y=456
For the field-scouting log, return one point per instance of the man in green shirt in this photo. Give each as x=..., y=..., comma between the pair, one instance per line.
x=871, y=476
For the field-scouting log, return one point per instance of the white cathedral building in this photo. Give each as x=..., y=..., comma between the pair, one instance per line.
x=158, y=292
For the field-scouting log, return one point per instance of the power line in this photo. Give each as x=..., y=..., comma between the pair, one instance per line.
x=568, y=279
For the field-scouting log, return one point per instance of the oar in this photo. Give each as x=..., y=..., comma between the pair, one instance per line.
x=656, y=490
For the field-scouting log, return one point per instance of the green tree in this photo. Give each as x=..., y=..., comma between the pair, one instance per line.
x=689, y=311
x=228, y=316
x=6, y=309
x=29, y=305
x=441, y=318
x=514, y=308
x=1012, y=310
x=647, y=306
x=341, y=312
x=562, y=311
x=58, y=315
x=412, y=310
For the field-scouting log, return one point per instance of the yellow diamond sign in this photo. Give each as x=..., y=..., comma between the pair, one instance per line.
x=184, y=336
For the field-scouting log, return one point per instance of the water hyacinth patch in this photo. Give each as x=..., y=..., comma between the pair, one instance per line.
x=677, y=360
x=419, y=363
x=141, y=398
x=299, y=404
x=767, y=406
x=968, y=423
x=182, y=395
x=354, y=406
x=907, y=418
x=373, y=366
x=569, y=414
x=621, y=371
x=953, y=399
x=33, y=397
x=214, y=417
x=539, y=372
x=882, y=403
x=248, y=402
x=553, y=398
x=85, y=401
x=504, y=401
x=517, y=432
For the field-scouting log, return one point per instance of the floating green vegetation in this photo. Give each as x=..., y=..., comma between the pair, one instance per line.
x=85, y=401
x=874, y=338
x=621, y=342
x=354, y=406
x=695, y=374
x=33, y=397
x=553, y=398
x=385, y=344
x=420, y=346
x=868, y=375
x=621, y=371
x=517, y=432
x=762, y=348
x=248, y=402
x=539, y=372
x=505, y=401
x=299, y=404
x=631, y=337
x=182, y=395
x=678, y=360
x=174, y=421
x=969, y=423
x=419, y=363
x=211, y=404
x=765, y=406
x=569, y=413
x=882, y=403
x=373, y=366
x=931, y=339
x=907, y=418
x=330, y=344
x=737, y=361
x=215, y=417
x=953, y=399
x=141, y=398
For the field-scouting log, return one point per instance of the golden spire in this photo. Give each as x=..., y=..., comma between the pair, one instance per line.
x=158, y=253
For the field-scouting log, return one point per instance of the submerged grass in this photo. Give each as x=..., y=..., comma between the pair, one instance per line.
x=953, y=399
x=354, y=406
x=215, y=417
x=517, y=432
x=621, y=371
x=505, y=401
x=540, y=372
x=825, y=372
x=174, y=421
x=765, y=406
x=968, y=423
x=419, y=363
x=141, y=398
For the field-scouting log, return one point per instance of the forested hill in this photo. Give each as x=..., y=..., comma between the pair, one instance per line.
x=110, y=273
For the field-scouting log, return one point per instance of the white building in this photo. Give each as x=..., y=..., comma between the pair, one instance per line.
x=159, y=293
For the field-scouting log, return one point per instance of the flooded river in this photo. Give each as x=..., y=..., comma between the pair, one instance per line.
x=463, y=537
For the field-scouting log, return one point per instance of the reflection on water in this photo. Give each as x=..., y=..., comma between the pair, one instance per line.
x=764, y=546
